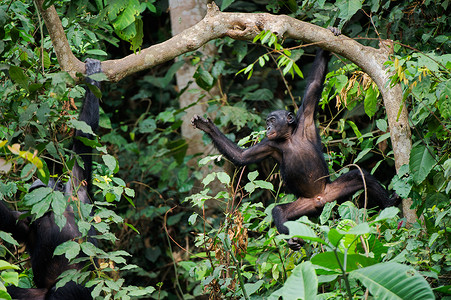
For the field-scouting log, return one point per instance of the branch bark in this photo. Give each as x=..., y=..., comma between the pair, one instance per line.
x=245, y=26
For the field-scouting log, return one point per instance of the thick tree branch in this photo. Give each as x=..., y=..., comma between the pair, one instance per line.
x=66, y=58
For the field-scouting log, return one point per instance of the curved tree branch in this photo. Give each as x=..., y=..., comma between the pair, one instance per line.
x=245, y=26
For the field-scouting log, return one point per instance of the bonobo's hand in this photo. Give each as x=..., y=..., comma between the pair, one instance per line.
x=295, y=244
x=334, y=30
x=201, y=123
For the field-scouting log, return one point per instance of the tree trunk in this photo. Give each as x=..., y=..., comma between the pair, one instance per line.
x=185, y=14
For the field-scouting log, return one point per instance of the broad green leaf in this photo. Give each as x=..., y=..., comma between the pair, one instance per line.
x=223, y=177
x=402, y=186
x=10, y=277
x=348, y=8
x=370, y=102
x=353, y=261
x=362, y=154
x=250, y=187
x=387, y=213
x=252, y=175
x=110, y=162
x=264, y=184
x=298, y=229
x=4, y=265
x=335, y=237
x=70, y=249
x=302, y=284
x=58, y=202
x=7, y=237
x=381, y=125
x=393, y=281
x=209, y=178
x=421, y=162
x=81, y=125
x=128, y=15
x=327, y=211
x=19, y=77
x=251, y=288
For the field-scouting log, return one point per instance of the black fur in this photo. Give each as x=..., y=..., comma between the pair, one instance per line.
x=295, y=143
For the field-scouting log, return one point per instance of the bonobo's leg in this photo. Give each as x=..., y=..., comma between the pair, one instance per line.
x=344, y=186
x=351, y=182
x=288, y=211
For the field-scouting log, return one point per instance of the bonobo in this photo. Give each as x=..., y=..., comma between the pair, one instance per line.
x=293, y=141
x=42, y=236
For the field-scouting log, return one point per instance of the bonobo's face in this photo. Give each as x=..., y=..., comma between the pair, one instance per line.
x=279, y=124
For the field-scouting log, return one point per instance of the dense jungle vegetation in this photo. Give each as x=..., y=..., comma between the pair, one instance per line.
x=173, y=224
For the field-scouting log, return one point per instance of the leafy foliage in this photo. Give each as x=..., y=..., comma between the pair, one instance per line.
x=222, y=242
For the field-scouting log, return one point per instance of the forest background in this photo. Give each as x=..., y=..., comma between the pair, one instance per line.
x=173, y=228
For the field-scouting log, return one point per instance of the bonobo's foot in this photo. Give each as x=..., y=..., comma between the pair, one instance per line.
x=201, y=123
x=394, y=200
x=334, y=30
x=295, y=244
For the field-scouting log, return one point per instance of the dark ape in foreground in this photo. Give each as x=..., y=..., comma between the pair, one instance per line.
x=293, y=141
x=42, y=236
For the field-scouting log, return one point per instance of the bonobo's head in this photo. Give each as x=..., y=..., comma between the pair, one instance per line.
x=56, y=185
x=280, y=125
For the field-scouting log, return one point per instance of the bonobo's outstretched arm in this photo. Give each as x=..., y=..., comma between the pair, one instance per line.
x=229, y=149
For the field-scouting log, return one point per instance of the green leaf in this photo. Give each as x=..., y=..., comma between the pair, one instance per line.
x=70, y=249
x=393, y=281
x=137, y=40
x=58, y=202
x=302, y=284
x=223, y=177
x=370, y=102
x=7, y=237
x=19, y=77
x=226, y=3
x=353, y=261
x=421, y=162
x=362, y=154
x=4, y=265
x=10, y=277
x=327, y=211
x=382, y=125
x=110, y=162
x=81, y=125
x=209, y=178
x=298, y=229
x=252, y=175
x=335, y=237
x=387, y=213
x=128, y=15
x=355, y=129
x=444, y=103
x=204, y=79
x=264, y=184
x=251, y=288
x=348, y=8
